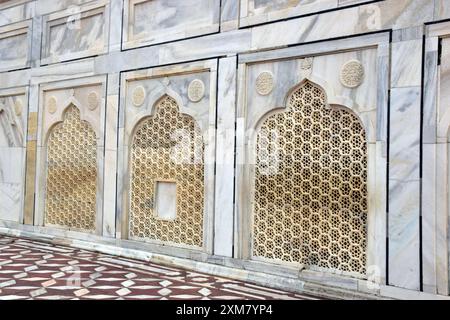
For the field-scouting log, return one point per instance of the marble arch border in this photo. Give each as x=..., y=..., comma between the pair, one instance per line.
x=206, y=122
x=42, y=135
x=375, y=123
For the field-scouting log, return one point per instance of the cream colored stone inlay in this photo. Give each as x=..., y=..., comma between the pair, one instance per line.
x=157, y=155
x=264, y=83
x=52, y=105
x=311, y=206
x=138, y=96
x=92, y=100
x=18, y=106
x=352, y=74
x=71, y=183
x=196, y=90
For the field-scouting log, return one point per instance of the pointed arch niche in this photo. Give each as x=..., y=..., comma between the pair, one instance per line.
x=311, y=170
x=166, y=186
x=70, y=156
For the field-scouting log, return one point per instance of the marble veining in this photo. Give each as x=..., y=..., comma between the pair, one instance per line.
x=115, y=59
x=13, y=126
x=153, y=21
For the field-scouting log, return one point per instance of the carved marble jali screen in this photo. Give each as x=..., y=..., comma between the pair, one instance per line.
x=71, y=182
x=310, y=185
x=167, y=147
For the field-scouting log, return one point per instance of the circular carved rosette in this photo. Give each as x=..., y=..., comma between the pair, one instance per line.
x=264, y=83
x=196, y=90
x=18, y=106
x=52, y=105
x=352, y=74
x=138, y=97
x=93, y=101
x=306, y=67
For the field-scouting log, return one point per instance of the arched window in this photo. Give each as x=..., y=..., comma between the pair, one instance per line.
x=71, y=184
x=167, y=177
x=310, y=185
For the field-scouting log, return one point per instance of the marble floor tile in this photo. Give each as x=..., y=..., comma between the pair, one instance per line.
x=34, y=271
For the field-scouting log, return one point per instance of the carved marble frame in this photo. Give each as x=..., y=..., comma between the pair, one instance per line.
x=374, y=121
x=21, y=91
x=60, y=17
x=41, y=169
x=13, y=30
x=127, y=128
x=130, y=41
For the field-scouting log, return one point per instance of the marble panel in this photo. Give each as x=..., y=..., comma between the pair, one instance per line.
x=13, y=120
x=404, y=188
x=407, y=63
x=429, y=227
x=430, y=92
x=404, y=251
x=13, y=126
x=149, y=22
x=261, y=11
x=405, y=127
x=442, y=10
x=11, y=195
x=15, y=45
x=16, y=11
x=225, y=158
x=435, y=206
x=371, y=17
x=44, y=7
x=429, y=176
x=229, y=15
x=11, y=165
x=76, y=32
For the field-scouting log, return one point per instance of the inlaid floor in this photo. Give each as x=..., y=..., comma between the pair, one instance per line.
x=37, y=270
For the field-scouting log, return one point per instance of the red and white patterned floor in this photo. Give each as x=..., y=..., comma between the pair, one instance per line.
x=37, y=270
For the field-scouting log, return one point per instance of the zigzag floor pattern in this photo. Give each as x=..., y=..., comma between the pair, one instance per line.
x=37, y=270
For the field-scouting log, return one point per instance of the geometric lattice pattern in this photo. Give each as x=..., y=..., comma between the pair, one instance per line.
x=310, y=200
x=167, y=146
x=71, y=174
x=31, y=270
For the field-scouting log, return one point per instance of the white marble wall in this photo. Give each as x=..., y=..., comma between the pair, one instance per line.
x=15, y=42
x=116, y=39
x=13, y=126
